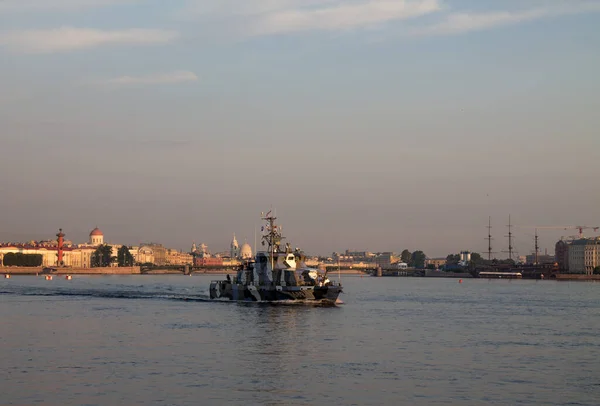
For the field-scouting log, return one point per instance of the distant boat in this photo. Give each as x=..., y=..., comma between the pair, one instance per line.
x=277, y=274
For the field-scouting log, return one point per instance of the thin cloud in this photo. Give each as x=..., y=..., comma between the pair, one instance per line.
x=344, y=16
x=241, y=18
x=59, y=5
x=66, y=39
x=457, y=23
x=212, y=8
x=153, y=79
x=271, y=17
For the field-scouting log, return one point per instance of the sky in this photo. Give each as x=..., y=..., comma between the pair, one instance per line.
x=365, y=124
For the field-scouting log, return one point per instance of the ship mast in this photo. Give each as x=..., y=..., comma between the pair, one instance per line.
x=510, y=240
x=272, y=236
x=537, y=247
x=489, y=238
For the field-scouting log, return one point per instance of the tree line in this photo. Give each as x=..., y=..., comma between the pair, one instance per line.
x=476, y=259
x=20, y=259
x=103, y=257
x=414, y=259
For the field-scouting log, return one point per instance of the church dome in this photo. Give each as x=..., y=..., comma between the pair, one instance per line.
x=96, y=232
x=246, y=251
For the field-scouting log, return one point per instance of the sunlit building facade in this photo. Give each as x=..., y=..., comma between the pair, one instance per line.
x=584, y=255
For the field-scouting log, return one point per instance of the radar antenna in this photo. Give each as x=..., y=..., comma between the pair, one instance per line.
x=272, y=237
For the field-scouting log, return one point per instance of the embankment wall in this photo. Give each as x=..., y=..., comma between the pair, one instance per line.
x=133, y=270
x=577, y=277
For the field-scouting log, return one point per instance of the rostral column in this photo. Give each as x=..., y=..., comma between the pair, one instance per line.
x=61, y=237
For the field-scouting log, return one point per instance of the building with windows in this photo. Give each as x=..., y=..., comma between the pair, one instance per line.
x=75, y=256
x=353, y=256
x=142, y=255
x=80, y=255
x=159, y=253
x=561, y=255
x=175, y=257
x=385, y=259
x=584, y=255
x=435, y=262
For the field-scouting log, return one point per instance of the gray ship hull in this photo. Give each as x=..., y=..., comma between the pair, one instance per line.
x=326, y=294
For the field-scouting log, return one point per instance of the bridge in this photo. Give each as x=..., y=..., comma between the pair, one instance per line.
x=187, y=269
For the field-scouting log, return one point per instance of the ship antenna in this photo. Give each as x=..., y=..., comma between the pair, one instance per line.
x=272, y=237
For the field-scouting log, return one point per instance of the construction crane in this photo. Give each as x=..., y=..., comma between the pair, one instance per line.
x=580, y=228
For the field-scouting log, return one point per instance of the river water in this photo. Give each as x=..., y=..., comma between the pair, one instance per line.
x=159, y=340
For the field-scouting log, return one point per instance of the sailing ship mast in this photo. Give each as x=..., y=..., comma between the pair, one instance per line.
x=510, y=240
x=537, y=247
x=489, y=238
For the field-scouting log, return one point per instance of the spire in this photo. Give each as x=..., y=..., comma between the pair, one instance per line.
x=235, y=247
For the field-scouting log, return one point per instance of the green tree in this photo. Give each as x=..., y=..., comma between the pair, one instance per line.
x=124, y=257
x=20, y=259
x=102, y=257
x=452, y=259
x=405, y=256
x=9, y=259
x=417, y=259
x=597, y=270
x=476, y=259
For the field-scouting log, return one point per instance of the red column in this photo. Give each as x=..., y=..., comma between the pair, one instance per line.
x=61, y=237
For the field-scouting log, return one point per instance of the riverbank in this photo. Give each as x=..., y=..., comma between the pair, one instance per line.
x=132, y=270
x=135, y=270
x=576, y=277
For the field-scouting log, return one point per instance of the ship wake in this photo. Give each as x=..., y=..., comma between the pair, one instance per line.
x=107, y=294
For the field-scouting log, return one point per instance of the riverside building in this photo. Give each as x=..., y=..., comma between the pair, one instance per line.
x=584, y=255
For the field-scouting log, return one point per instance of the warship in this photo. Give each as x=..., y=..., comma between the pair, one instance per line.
x=277, y=274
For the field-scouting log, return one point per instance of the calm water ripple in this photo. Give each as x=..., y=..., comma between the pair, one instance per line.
x=396, y=341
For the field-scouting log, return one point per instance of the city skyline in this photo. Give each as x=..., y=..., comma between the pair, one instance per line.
x=377, y=125
x=499, y=248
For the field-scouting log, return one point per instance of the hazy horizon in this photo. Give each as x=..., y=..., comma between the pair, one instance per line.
x=367, y=124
